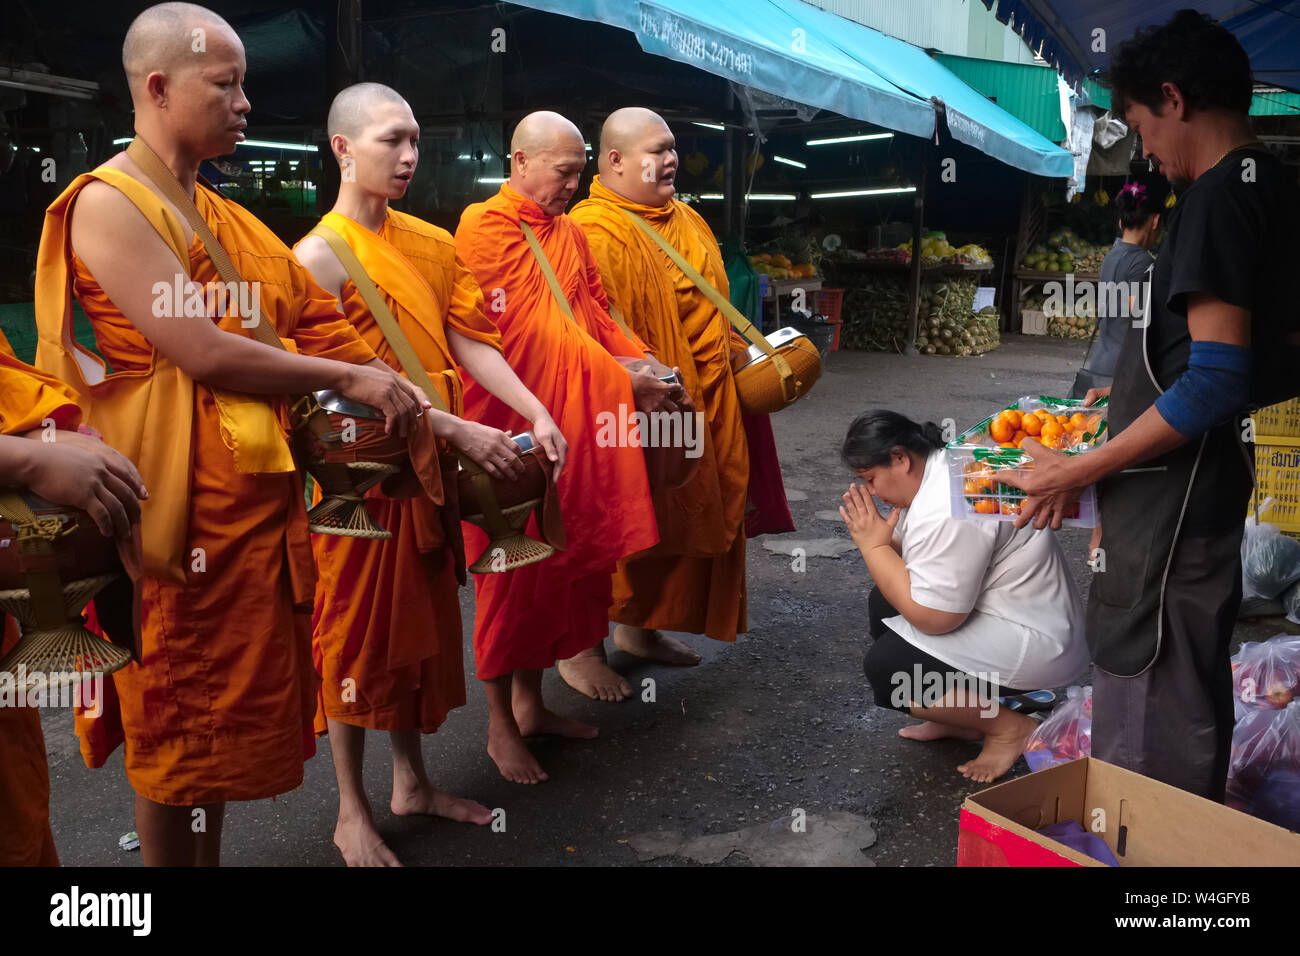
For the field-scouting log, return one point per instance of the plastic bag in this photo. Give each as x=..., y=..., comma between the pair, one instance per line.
x=1270, y=561
x=1291, y=603
x=1266, y=675
x=1066, y=734
x=1265, y=765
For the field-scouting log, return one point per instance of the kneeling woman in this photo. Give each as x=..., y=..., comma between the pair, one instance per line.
x=963, y=611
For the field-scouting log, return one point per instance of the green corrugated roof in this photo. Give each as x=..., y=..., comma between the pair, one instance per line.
x=1025, y=91
x=1029, y=92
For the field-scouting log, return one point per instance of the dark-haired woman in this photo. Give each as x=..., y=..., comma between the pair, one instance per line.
x=1124, y=274
x=963, y=612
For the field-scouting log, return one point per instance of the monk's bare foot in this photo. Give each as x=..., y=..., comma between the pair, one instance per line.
x=428, y=800
x=541, y=722
x=653, y=646
x=513, y=758
x=933, y=730
x=587, y=673
x=361, y=844
x=1001, y=749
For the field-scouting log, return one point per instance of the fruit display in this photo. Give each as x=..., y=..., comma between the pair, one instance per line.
x=981, y=457
x=1065, y=251
x=1071, y=326
x=796, y=258
x=876, y=316
x=937, y=250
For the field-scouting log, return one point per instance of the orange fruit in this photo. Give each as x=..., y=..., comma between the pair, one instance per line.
x=1001, y=430
x=1079, y=421
x=1006, y=444
x=1032, y=425
x=1051, y=434
x=1014, y=416
x=1062, y=419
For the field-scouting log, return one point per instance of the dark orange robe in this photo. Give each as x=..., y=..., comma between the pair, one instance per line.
x=27, y=398
x=694, y=579
x=221, y=705
x=533, y=616
x=387, y=617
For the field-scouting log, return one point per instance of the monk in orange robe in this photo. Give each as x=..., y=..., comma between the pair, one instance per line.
x=387, y=624
x=220, y=705
x=75, y=470
x=693, y=580
x=579, y=367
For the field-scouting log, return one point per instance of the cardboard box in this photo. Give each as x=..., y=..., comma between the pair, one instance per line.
x=1143, y=821
x=1033, y=322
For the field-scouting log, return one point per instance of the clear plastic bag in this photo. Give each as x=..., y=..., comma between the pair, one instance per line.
x=1264, y=770
x=1291, y=603
x=1066, y=734
x=1270, y=560
x=1266, y=675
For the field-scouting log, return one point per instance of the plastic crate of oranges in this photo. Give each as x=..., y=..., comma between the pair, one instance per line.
x=978, y=457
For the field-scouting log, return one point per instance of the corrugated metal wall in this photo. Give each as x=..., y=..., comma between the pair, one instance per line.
x=958, y=27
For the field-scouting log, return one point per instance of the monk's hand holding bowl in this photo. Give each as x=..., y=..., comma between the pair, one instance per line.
x=86, y=474
x=374, y=383
x=489, y=448
x=547, y=434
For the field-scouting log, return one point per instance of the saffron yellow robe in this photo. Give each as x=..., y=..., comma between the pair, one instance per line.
x=386, y=632
x=694, y=579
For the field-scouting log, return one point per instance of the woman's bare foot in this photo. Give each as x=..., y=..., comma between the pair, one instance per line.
x=654, y=646
x=512, y=756
x=540, y=722
x=428, y=800
x=587, y=673
x=1002, y=748
x=361, y=844
x=933, y=730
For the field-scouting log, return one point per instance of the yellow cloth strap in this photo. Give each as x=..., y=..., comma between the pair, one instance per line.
x=248, y=424
x=621, y=322
x=734, y=315
x=540, y=255
x=411, y=365
x=383, y=316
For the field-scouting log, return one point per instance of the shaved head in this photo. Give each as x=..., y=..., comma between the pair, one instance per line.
x=354, y=107
x=547, y=157
x=542, y=131
x=638, y=156
x=624, y=128
x=167, y=38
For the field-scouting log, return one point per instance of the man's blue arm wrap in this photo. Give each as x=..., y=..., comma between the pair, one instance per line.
x=1215, y=386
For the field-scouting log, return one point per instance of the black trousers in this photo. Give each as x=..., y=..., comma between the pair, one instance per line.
x=894, y=666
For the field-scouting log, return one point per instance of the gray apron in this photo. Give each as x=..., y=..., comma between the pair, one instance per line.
x=1146, y=509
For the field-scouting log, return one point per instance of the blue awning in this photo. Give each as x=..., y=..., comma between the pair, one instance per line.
x=1269, y=32
x=797, y=51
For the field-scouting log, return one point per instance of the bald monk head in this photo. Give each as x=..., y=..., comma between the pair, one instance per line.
x=185, y=68
x=638, y=156
x=375, y=138
x=547, y=157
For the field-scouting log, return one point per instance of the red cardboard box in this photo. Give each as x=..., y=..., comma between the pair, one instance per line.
x=1143, y=821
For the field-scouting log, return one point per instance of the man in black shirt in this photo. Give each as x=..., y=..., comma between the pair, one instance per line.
x=1221, y=335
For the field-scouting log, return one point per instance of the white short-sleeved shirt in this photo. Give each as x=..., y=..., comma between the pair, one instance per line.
x=1026, y=622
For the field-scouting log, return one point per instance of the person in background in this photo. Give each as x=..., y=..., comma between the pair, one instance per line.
x=962, y=611
x=1121, y=295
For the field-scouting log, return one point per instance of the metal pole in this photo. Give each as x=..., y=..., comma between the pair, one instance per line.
x=918, y=214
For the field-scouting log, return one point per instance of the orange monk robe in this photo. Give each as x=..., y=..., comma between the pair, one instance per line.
x=220, y=706
x=694, y=579
x=387, y=613
x=533, y=616
x=27, y=399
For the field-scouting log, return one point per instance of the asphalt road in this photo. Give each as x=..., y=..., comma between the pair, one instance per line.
x=777, y=723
